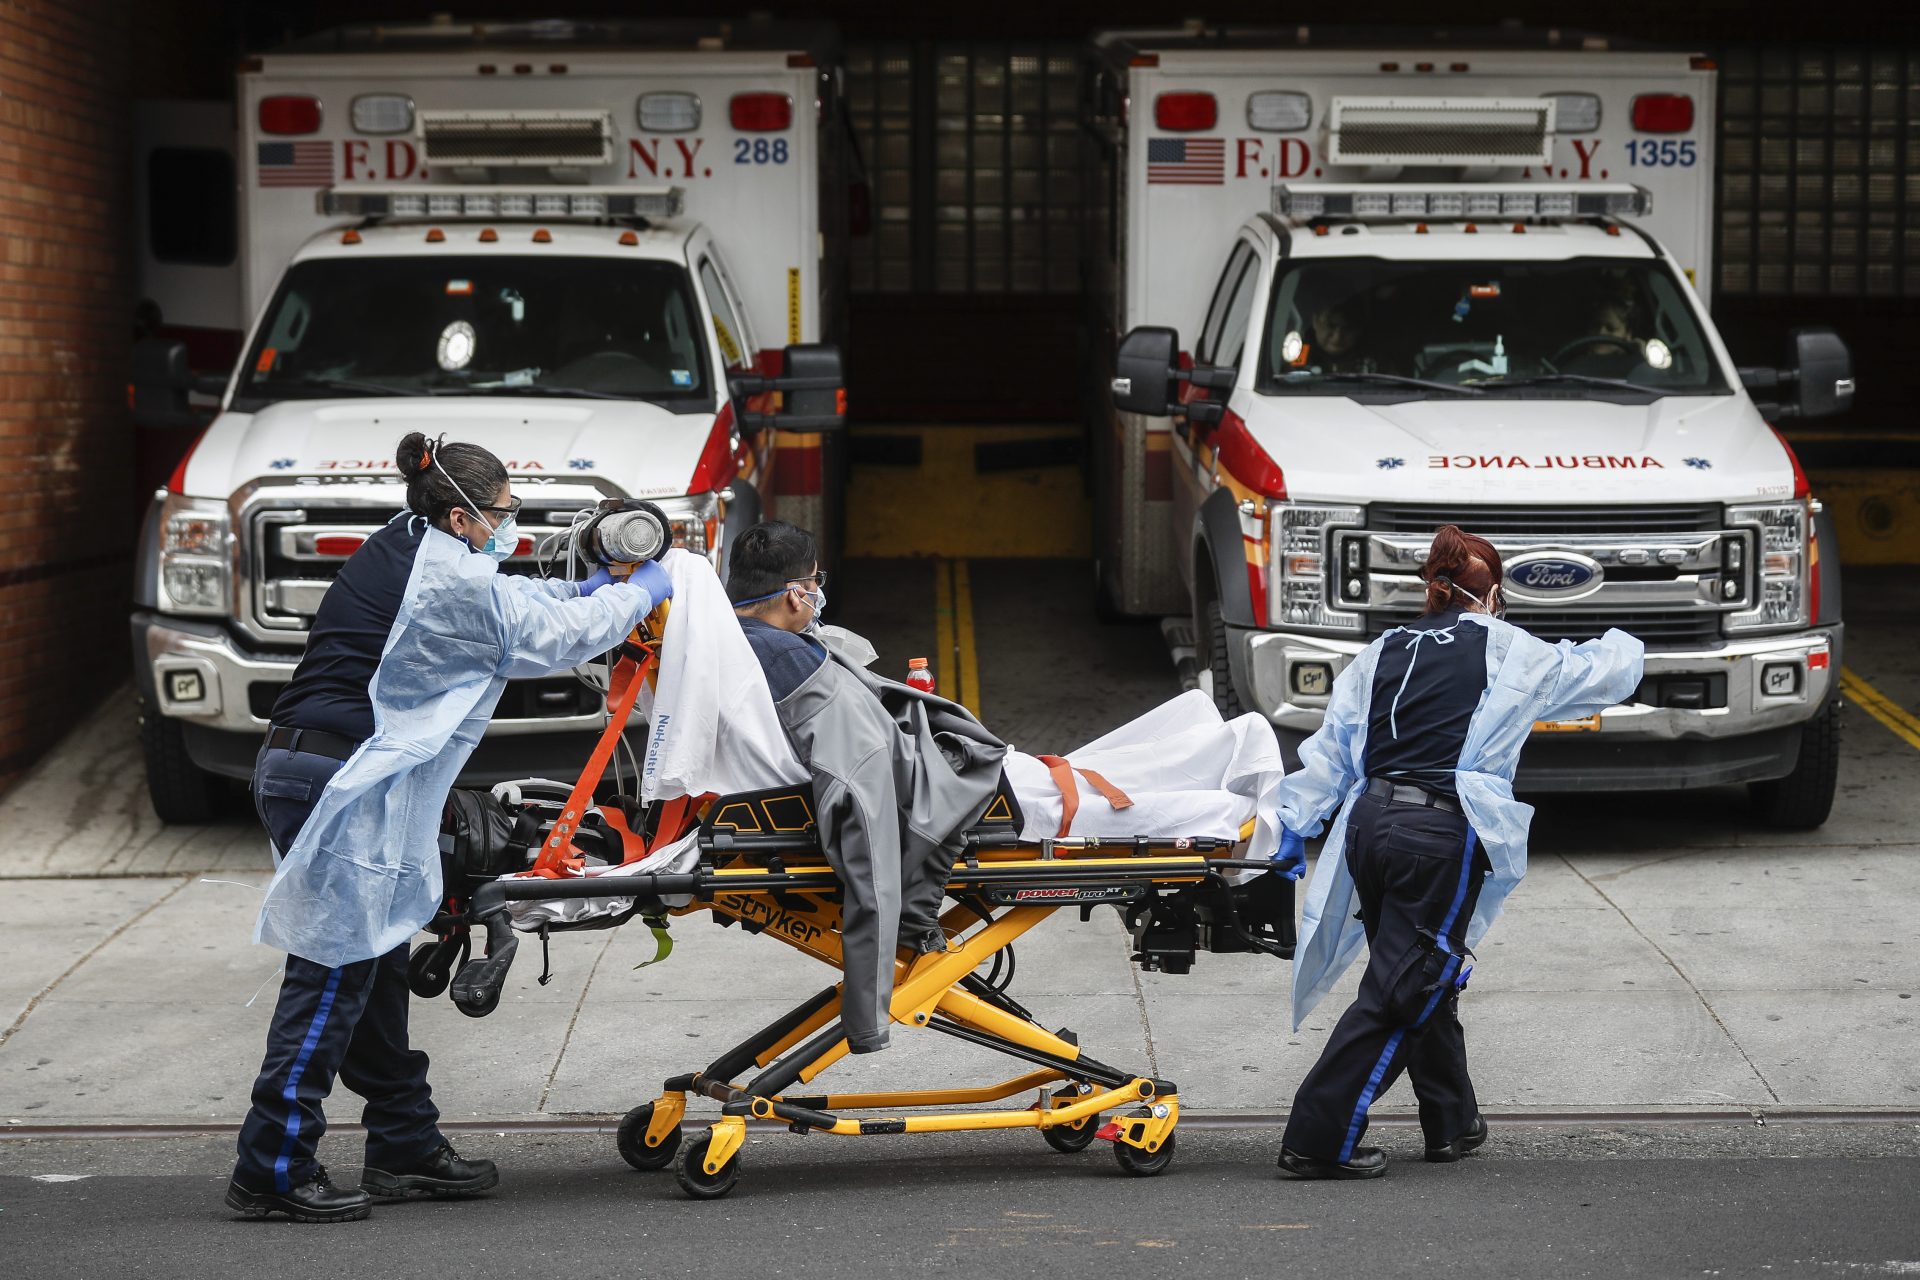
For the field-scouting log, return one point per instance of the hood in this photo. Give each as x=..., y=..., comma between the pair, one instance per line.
x=1675, y=449
x=643, y=449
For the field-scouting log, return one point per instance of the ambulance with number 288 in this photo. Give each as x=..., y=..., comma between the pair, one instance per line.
x=612, y=253
x=1350, y=288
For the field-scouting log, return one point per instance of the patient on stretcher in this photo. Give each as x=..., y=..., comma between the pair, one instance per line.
x=753, y=693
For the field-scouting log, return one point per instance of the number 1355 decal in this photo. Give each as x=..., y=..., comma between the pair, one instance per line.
x=1649, y=154
x=774, y=151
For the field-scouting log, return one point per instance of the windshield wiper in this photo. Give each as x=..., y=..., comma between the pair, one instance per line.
x=1386, y=379
x=1586, y=379
x=357, y=384
x=536, y=389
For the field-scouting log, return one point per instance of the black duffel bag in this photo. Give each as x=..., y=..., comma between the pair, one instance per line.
x=481, y=840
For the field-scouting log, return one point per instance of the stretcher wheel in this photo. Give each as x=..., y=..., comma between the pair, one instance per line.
x=1071, y=1138
x=1144, y=1164
x=632, y=1141
x=693, y=1175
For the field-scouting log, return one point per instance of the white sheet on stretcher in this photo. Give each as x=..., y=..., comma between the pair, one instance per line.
x=713, y=730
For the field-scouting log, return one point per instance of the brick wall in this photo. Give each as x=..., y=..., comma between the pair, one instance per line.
x=66, y=524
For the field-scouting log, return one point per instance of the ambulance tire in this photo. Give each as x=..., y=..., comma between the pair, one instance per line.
x=1105, y=608
x=1802, y=800
x=1218, y=662
x=1142, y=1163
x=631, y=1138
x=182, y=792
x=693, y=1175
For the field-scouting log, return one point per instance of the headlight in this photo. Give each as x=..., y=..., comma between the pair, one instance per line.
x=1297, y=567
x=1780, y=565
x=196, y=556
x=695, y=521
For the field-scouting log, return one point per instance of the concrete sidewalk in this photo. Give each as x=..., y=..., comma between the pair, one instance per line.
x=1728, y=968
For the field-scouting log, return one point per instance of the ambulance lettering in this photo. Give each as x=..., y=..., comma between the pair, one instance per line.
x=645, y=153
x=398, y=160
x=1290, y=158
x=1553, y=462
x=368, y=464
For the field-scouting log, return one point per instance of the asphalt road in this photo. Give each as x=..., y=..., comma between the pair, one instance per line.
x=1701, y=1200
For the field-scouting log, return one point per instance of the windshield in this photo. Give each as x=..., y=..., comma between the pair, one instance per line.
x=1595, y=325
x=480, y=326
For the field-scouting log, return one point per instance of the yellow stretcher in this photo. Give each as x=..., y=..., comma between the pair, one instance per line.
x=761, y=867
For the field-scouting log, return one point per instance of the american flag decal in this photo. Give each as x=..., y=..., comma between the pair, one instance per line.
x=1188, y=161
x=296, y=164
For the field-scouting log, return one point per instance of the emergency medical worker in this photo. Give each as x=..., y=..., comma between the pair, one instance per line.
x=409, y=652
x=1419, y=748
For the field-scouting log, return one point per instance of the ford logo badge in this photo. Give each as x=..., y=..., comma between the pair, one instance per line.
x=1552, y=576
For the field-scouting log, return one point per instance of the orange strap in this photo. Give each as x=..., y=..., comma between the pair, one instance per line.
x=1069, y=791
x=1062, y=771
x=558, y=856
x=1112, y=794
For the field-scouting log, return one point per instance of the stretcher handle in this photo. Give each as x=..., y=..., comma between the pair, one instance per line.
x=491, y=899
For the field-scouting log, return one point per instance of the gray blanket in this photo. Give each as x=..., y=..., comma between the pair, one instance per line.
x=898, y=777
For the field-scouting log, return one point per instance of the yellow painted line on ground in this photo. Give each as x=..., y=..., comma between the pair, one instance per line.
x=969, y=665
x=1904, y=723
x=946, y=672
x=957, y=669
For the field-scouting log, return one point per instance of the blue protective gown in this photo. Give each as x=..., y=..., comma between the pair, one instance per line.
x=1527, y=680
x=364, y=874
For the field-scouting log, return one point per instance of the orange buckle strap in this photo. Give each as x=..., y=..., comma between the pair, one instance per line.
x=1061, y=770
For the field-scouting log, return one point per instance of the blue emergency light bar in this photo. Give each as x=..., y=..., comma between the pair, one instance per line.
x=1309, y=200
x=501, y=202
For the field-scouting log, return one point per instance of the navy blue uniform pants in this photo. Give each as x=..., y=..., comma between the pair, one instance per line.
x=1417, y=872
x=348, y=1023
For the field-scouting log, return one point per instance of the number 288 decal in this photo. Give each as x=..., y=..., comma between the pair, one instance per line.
x=762, y=151
x=1669, y=154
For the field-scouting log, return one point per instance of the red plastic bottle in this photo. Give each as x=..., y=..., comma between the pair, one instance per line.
x=919, y=675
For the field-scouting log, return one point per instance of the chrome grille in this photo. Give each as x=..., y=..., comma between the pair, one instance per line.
x=1396, y=517
x=1666, y=630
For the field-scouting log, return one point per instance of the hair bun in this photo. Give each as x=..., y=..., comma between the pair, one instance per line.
x=410, y=455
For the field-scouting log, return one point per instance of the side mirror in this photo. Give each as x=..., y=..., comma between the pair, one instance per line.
x=812, y=384
x=161, y=384
x=1817, y=382
x=1146, y=370
x=1825, y=369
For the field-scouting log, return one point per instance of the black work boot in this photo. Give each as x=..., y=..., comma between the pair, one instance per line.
x=1448, y=1152
x=315, y=1200
x=1365, y=1162
x=442, y=1174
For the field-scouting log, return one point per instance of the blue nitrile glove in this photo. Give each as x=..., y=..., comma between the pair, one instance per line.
x=600, y=579
x=1290, y=860
x=653, y=580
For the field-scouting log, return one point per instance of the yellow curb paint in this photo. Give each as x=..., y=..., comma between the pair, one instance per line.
x=957, y=673
x=1905, y=725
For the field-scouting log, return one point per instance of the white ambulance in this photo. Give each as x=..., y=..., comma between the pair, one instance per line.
x=1369, y=289
x=612, y=254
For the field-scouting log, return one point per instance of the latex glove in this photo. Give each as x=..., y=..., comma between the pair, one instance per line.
x=1290, y=860
x=653, y=580
x=600, y=579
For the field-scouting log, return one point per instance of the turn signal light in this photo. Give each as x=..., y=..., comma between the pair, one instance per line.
x=289, y=114
x=1663, y=113
x=337, y=544
x=760, y=112
x=1185, y=112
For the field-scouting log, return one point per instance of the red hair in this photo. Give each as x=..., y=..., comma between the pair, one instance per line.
x=1458, y=564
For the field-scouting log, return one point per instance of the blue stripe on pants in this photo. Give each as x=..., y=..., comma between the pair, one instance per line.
x=1356, y=1125
x=291, y=1093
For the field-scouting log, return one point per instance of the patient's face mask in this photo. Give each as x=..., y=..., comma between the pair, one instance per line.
x=816, y=598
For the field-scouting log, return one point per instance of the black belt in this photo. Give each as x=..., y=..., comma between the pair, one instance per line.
x=1401, y=793
x=315, y=742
